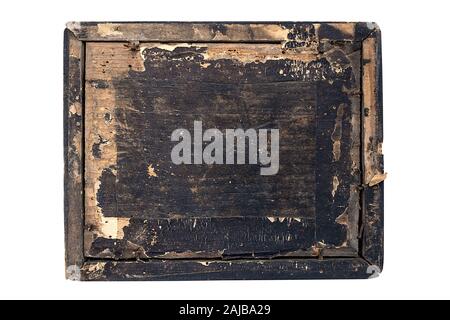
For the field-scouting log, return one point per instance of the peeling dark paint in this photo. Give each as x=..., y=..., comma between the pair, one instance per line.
x=179, y=214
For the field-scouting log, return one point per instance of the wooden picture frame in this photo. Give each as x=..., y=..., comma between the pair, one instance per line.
x=359, y=258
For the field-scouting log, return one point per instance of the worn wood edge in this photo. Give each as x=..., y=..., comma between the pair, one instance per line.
x=372, y=245
x=114, y=226
x=372, y=110
x=278, y=269
x=283, y=32
x=73, y=154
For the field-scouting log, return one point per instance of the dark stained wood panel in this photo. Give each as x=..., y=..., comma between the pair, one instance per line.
x=317, y=84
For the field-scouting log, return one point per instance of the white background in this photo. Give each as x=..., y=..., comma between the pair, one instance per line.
x=416, y=110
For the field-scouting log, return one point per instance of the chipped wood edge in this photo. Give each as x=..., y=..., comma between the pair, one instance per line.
x=373, y=166
x=73, y=154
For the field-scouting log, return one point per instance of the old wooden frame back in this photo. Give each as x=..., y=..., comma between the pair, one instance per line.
x=334, y=68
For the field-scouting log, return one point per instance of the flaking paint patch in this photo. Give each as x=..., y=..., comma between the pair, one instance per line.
x=151, y=171
x=98, y=224
x=205, y=65
x=289, y=220
x=335, y=185
x=75, y=109
x=377, y=178
x=94, y=270
x=104, y=62
x=194, y=189
x=240, y=53
x=254, y=53
x=113, y=228
x=99, y=266
x=153, y=237
x=164, y=46
x=251, y=32
x=276, y=31
x=109, y=29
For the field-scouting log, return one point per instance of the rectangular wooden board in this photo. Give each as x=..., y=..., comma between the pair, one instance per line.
x=223, y=151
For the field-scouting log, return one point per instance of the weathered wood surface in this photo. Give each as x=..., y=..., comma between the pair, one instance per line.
x=319, y=84
x=73, y=149
x=291, y=34
x=372, y=230
x=226, y=270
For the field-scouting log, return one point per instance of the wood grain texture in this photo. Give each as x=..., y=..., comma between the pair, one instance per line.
x=292, y=34
x=319, y=83
x=73, y=150
x=162, y=270
x=373, y=195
